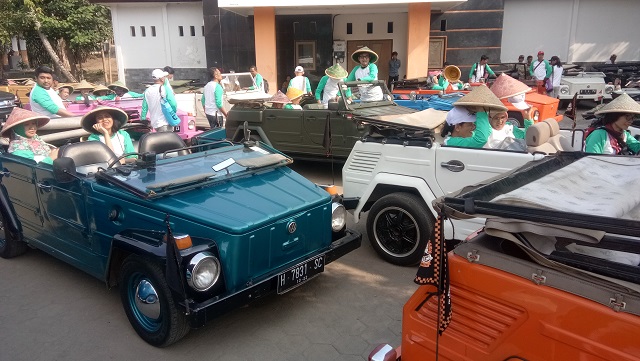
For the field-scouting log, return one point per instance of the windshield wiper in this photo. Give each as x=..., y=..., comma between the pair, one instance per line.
x=195, y=178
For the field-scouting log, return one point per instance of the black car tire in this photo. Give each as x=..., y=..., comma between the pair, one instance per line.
x=171, y=324
x=11, y=245
x=399, y=226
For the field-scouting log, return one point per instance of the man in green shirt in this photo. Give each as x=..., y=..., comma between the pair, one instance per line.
x=43, y=98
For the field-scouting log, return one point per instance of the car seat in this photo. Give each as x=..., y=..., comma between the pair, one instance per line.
x=537, y=139
x=88, y=156
x=555, y=139
x=161, y=142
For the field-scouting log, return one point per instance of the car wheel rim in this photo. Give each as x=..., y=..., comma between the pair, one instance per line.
x=396, y=231
x=144, y=302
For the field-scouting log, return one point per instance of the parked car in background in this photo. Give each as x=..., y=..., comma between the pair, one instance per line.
x=588, y=85
x=186, y=233
x=304, y=134
x=8, y=101
x=520, y=288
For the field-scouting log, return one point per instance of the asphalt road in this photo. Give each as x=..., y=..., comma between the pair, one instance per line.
x=52, y=311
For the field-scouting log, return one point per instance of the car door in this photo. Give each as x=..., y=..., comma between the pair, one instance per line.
x=459, y=167
x=283, y=128
x=63, y=206
x=315, y=123
x=18, y=178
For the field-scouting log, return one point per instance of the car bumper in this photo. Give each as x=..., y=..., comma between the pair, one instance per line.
x=200, y=313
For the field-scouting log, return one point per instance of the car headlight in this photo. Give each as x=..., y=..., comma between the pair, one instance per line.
x=203, y=271
x=192, y=125
x=6, y=103
x=608, y=89
x=564, y=90
x=536, y=115
x=338, y=217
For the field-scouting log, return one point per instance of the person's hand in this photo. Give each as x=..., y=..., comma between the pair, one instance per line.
x=54, y=153
x=528, y=113
x=100, y=129
x=319, y=101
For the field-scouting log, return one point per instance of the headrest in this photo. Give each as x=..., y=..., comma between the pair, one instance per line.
x=161, y=142
x=538, y=134
x=85, y=153
x=555, y=127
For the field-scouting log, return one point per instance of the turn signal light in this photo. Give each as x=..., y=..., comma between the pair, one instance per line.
x=183, y=241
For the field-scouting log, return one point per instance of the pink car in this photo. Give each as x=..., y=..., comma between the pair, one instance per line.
x=186, y=129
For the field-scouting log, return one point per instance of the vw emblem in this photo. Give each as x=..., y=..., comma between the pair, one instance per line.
x=292, y=226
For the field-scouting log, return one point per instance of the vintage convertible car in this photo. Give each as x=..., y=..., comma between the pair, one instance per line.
x=304, y=134
x=554, y=274
x=186, y=233
x=394, y=176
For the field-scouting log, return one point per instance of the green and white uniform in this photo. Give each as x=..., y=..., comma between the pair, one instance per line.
x=479, y=137
x=46, y=102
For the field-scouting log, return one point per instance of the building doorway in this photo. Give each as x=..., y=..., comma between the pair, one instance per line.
x=381, y=47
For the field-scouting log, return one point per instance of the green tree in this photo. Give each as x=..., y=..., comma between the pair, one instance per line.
x=68, y=29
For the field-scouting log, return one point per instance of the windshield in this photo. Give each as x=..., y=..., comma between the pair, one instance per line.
x=360, y=94
x=195, y=170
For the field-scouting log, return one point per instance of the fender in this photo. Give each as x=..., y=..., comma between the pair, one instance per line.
x=396, y=180
x=9, y=214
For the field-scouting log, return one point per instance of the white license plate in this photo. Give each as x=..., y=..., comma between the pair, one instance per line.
x=299, y=274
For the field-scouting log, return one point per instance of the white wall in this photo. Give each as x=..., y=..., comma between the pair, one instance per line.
x=167, y=47
x=379, y=21
x=574, y=30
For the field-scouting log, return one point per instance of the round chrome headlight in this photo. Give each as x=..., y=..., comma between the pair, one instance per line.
x=564, y=90
x=536, y=115
x=338, y=217
x=203, y=271
x=192, y=125
x=608, y=89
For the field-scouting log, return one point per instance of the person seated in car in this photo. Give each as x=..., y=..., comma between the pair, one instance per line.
x=467, y=124
x=21, y=127
x=327, y=89
x=278, y=100
x=120, y=91
x=85, y=89
x=366, y=71
x=104, y=124
x=609, y=133
x=501, y=130
x=295, y=95
x=64, y=91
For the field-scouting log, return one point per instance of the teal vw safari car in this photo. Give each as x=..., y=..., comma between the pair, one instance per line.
x=185, y=233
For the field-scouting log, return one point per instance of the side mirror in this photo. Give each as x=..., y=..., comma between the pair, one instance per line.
x=64, y=170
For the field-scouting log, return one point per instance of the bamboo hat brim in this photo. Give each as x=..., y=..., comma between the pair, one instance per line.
x=373, y=57
x=481, y=97
x=89, y=119
x=622, y=104
x=506, y=86
x=20, y=116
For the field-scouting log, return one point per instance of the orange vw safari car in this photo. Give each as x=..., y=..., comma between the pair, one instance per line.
x=554, y=274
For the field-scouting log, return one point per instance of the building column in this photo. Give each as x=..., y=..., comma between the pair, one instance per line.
x=265, y=34
x=419, y=27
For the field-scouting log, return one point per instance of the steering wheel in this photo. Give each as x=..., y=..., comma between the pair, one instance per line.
x=117, y=160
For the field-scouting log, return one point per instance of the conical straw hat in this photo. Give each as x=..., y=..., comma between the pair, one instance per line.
x=622, y=104
x=100, y=87
x=68, y=86
x=117, y=84
x=279, y=97
x=89, y=119
x=373, y=57
x=84, y=85
x=19, y=116
x=482, y=97
x=506, y=86
x=293, y=93
x=336, y=72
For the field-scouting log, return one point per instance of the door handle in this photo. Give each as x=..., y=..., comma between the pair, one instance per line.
x=453, y=165
x=271, y=117
x=44, y=187
x=5, y=173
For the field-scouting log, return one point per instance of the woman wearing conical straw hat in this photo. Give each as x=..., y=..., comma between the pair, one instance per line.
x=327, y=89
x=609, y=134
x=366, y=70
x=21, y=127
x=467, y=124
x=85, y=88
x=120, y=91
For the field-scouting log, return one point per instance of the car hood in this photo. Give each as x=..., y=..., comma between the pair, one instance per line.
x=245, y=203
x=6, y=96
x=569, y=80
